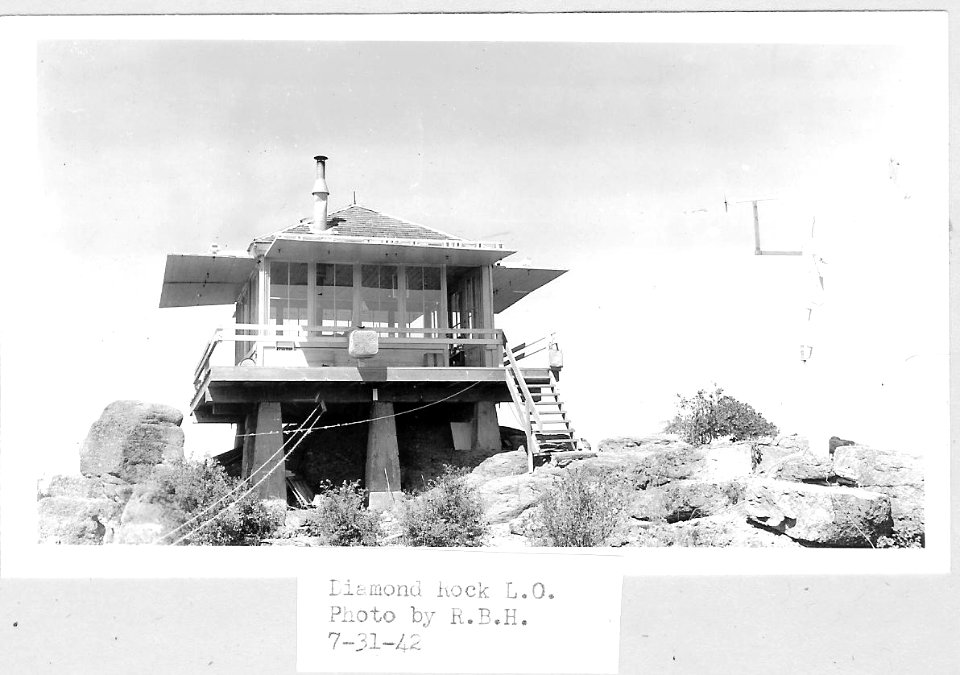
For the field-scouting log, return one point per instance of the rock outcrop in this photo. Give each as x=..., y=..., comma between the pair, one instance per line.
x=897, y=475
x=123, y=446
x=75, y=520
x=144, y=520
x=819, y=514
x=802, y=466
x=773, y=493
x=130, y=438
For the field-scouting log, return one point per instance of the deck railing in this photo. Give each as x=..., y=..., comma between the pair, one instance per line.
x=272, y=335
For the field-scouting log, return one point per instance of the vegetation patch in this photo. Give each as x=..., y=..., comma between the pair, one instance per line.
x=583, y=508
x=339, y=517
x=198, y=489
x=707, y=416
x=904, y=536
x=448, y=513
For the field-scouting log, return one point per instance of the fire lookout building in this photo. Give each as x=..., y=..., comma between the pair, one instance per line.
x=365, y=315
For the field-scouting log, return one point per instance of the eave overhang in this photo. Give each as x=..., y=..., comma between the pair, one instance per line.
x=316, y=248
x=195, y=280
x=511, y=284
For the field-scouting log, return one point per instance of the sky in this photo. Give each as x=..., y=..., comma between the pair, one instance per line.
x=611, y=160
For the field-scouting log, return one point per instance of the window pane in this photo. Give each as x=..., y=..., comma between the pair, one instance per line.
x=423, y=298
x=334, y=295
x=298, y=274
x=378, y=295
x=288, y=293
x=431, y=278
x=344, y=276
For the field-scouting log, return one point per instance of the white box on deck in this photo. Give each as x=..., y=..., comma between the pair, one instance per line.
x=363, y=343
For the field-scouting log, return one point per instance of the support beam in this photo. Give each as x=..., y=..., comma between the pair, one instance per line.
x=383, y=457
x=265, y=454
x=486, y=428
x=249, y=427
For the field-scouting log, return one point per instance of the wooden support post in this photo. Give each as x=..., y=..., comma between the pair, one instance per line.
x=265, y=454
x=263, y=306
x=249, y=428
x=486, y=428
x=383, y=457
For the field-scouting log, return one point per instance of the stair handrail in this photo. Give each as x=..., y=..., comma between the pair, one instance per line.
x=524, y=389
x=522, y=400
x=518, y=351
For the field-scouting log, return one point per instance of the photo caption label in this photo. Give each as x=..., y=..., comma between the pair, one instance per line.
x=461, y=612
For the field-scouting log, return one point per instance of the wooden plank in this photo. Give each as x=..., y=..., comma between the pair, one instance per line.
x=355, y=374
x=301, y=491
x=494, y=333
x=336, y=341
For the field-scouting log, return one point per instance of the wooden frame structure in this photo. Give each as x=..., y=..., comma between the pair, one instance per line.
x=436, y=343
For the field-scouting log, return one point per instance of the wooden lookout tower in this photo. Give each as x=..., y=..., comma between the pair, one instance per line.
x=366, y=315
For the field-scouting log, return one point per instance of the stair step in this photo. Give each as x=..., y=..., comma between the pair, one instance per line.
x=546, y=437
x=554, y=449
x=552, y=414
x=569, y=454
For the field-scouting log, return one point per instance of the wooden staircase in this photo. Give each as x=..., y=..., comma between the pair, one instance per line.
x=537, y=404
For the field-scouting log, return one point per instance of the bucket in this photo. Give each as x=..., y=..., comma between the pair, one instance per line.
x=555, y=355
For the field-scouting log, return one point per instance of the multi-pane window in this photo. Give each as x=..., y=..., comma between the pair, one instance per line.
x=379, y=296
x=334, y=299
x=422, y=298
x=288, y=294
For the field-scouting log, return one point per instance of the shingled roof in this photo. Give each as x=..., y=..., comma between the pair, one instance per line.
x=359, y=221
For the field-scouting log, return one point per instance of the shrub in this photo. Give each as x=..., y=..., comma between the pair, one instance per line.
x=448, y=513
x=340, y=518
x=906, y=536
x=582, y=509
x=711, y=415
x=188, y=487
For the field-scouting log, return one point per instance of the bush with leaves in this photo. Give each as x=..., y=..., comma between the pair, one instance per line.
x=199, y=488
x=448, y=513
x=582, y=509
x=340, y=518
x=905, y=536
x=710, y=415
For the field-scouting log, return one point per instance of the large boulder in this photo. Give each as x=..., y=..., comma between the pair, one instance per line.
x=896, y=474
x=861, y=465
x=648, y=461
x=801, y=467
x=506, y=497
x=85, y=487
x=76, y=520
x=767, y=451
x=728, y=529
x=512, y=463
x=144, y=520
x=682, y=500
x=819, y=514
x=686, y=500
x=130, y=438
